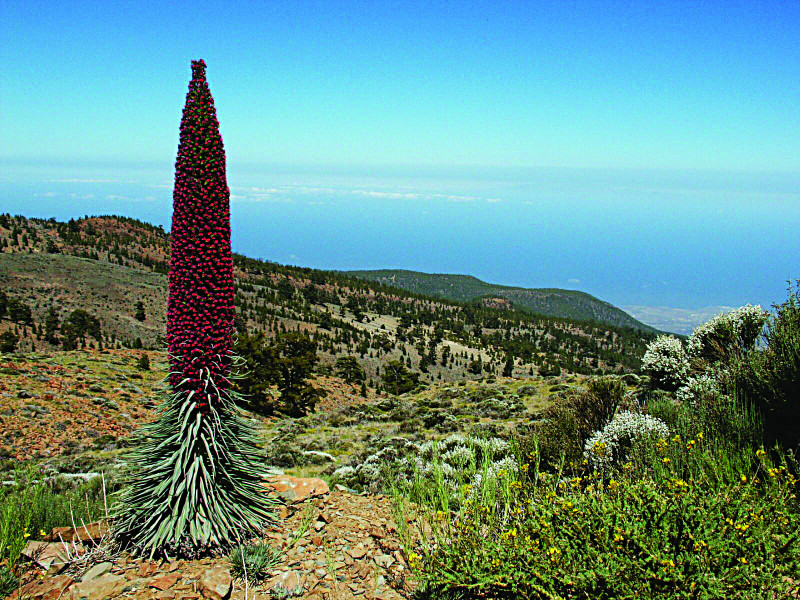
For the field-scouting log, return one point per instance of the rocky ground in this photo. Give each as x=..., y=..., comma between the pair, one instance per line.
x=69, y=403
x=349, y=546
x=66, y=404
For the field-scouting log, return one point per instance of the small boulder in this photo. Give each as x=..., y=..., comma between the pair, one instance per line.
x=296, y=489
x=165, y=582
x=45, y=554
x=289, y=582
x=216, y=583
x=91, y=532
x=384, y=560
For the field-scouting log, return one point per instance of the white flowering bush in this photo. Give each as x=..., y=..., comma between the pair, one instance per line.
x=607, y=448
x=666, y=362
x=734, y=331
x=455, y=459
x=507, y=467
x=699, y=388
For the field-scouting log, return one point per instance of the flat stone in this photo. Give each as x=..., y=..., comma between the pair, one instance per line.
x=357, y=552
x=147, y=568
x=165, y=582
x=50, y=588
x=384, y=560
x=107, y=586
x=46, y=554
x=216, y=583
x=363, y=572
x=96, y=571
x=91, y=532
x=296, y=489
x=289, y=580
x=340, y=488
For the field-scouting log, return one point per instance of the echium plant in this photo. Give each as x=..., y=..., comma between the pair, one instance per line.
x=195, y=484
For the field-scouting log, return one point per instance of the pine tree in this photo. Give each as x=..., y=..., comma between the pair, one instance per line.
x=195, y=484
x=140, y=314
x=508, y=369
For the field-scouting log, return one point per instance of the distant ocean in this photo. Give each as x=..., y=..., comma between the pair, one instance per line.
x=651, y=242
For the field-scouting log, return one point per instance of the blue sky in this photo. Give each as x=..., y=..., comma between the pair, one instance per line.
x=696, y=85
x=645, y=153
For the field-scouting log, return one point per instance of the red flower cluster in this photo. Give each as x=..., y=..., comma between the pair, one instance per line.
x=200, y=309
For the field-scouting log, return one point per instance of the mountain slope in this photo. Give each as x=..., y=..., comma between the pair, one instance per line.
x=553, y=302
x=107, y=265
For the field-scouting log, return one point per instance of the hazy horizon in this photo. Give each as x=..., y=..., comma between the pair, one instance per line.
x=662, y=245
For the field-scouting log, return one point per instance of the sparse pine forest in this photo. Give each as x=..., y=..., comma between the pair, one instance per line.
x=436, y=338
x=183, y=422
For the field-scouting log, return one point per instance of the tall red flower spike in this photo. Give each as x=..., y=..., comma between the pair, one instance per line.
x=200, y=310
x=195, y=483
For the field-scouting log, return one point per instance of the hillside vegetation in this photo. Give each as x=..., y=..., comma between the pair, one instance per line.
x=552, y=302
x=114, y=268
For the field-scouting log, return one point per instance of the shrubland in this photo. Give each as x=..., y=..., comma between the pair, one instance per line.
x=688, y=489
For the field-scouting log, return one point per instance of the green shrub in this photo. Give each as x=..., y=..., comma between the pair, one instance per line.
x=609, y=391
x=8, y=582
x=567, y=424
x=29, y=510
x=143, y=364
x=253, y=561
x=769, y=378
x=656, y=530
